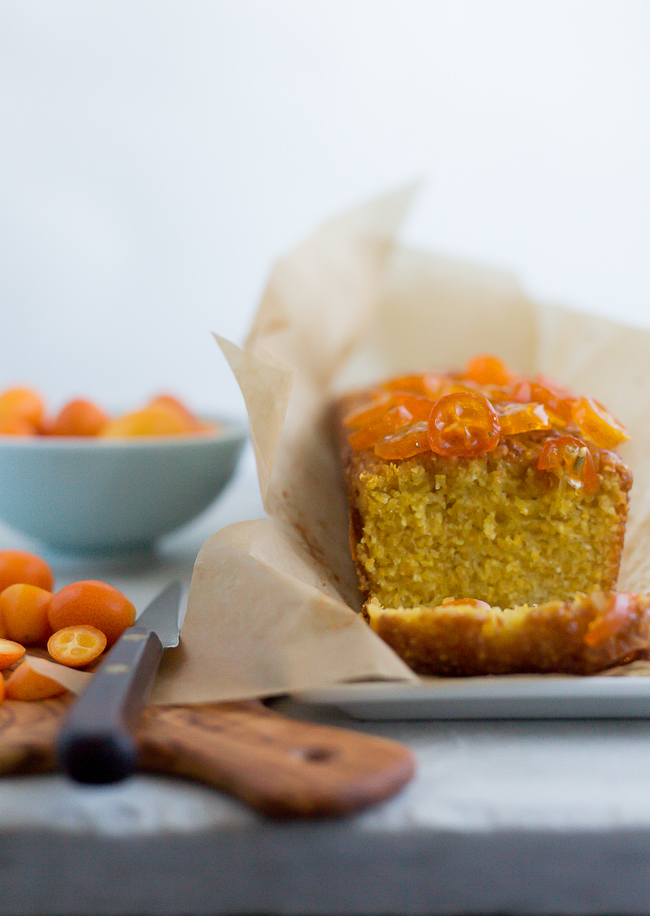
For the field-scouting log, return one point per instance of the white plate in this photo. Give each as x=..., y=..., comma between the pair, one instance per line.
x=526, y=697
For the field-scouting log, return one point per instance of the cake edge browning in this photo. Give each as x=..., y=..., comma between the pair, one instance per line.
x=588, y=634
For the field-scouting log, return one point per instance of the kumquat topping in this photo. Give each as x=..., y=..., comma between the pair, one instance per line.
x=463, y=425
x=465, y=414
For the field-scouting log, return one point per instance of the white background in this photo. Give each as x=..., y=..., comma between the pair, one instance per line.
x=157, y=157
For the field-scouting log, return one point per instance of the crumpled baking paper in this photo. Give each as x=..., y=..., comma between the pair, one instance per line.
x=273, y=602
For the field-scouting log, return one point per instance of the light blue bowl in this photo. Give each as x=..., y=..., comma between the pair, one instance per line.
x=106, y=496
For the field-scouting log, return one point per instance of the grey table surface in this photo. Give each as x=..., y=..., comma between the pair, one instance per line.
x=525, y=816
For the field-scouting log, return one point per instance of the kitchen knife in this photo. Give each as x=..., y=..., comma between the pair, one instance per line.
x=97, y=743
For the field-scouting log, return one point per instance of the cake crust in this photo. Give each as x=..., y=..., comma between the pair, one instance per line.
x=587, y=634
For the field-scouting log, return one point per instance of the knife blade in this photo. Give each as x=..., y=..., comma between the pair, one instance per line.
x=97, y=742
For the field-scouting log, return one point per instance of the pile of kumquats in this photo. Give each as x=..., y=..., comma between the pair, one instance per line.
x=23, y=412
x=74, y=624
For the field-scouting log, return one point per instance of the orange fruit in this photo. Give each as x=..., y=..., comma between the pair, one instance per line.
x=22, y=402
x=95, y=603
x=23, y=613
x=22, y=566
x=76, y=646
x=79, y=417
x=10, y=653
x=26, y=684
x=14, y=425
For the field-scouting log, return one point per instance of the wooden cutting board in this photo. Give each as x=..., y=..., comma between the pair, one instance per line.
x=279, y=766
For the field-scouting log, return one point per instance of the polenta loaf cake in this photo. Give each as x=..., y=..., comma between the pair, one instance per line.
x=487, y=519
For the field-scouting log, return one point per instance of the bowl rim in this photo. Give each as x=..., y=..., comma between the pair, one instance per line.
x=230, y=431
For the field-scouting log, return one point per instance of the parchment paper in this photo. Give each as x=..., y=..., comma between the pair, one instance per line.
x=273, y=602
x=272, y=605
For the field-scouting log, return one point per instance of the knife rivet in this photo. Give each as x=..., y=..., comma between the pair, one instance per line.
x=134, y=636
x=117, y=668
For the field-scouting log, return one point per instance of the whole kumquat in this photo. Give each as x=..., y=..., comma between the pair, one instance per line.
x=152, y=420
x=76, y=646
x=13, y=425
x=79, y=417
x=26, y=684
x=194, y=424
x=2, y=688
x=22, y=566
x=23, y=612
x=95, y=603
x=22, y=402
x=10, y=653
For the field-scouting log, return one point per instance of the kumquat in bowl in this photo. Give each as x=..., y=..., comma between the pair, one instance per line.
x=84, y=481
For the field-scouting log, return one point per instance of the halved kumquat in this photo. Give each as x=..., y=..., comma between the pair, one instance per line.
x=26, y=684
x=76, y=646
x=10, y=653
x=95, y=603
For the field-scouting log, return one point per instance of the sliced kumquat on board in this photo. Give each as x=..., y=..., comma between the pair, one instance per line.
x=597, y=424
x=92, y=602
x=10, y=653
x=463, y=425
x=22, y=566
x=26, y=684
x=76, y=646
x=23, y=613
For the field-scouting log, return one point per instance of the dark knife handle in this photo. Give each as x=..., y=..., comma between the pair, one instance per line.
x=96, y=744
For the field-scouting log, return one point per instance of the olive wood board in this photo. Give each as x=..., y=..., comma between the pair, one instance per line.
x=279, y=766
